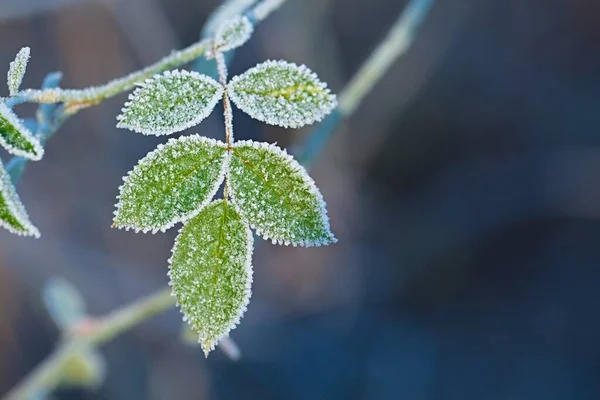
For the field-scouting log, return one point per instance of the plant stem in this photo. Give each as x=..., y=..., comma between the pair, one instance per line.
x=227, y=111
x=48, y=374
x=395, y=44
x=45, y=377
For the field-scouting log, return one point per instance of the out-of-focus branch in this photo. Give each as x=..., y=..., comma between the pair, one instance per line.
x=395, y=44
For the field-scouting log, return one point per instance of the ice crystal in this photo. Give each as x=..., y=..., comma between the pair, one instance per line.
x=13, y=216
x=283, y=94
x=16, y=138
x=171, y=184
x=171, y=102
x=232, y=34
x=273, y=192
x=211, y=271
x=16, y=70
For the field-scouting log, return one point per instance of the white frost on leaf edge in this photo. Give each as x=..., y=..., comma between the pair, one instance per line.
x=242, y=31
x=312, y=188
x=12, y=119
x=247, y=293
x=15, y=207
x=156, y=153
x=16, y=70
x=294, y=124
x=150, y=81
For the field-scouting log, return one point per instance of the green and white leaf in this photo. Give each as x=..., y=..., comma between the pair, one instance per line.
x=171, y=184
x=283, y=94
x=274, y=193
x=16, y=138
x=211, y=271
x=169, y=103
x=232, y=34
x=13, y=216
x=16, y=70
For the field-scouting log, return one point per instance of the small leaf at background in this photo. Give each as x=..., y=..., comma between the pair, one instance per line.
x=86, y=369
x=16, y=138
x=13, y=216
x=64, y=303
x=171, y=184
x=283, y=94
x=16, y=70
x=211, y=271
x=232, y=34
x=276, y=196
x=171, y=102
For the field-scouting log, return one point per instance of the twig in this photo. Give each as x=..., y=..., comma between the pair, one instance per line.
x=396, y=43
x=78, y=99
x=48, y=374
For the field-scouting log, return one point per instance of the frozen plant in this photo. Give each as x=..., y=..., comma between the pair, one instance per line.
x=264, y=187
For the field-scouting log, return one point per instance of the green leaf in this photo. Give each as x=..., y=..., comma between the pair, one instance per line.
x=282, y=93
x=232, y=34
x=171, y=184
x=16, y=138
x=13, y=216
x=276, y=196
x=211, y=271
x=169, y=103
x=16, y=70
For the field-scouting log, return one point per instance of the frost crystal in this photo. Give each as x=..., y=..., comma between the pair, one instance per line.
x=16, y=138
x=171, y=184
x=233, y=33
x=13, y=216
x=211, y=271
x=273, y=192
x=16, y=70
x=169, y=103
x=283, y=94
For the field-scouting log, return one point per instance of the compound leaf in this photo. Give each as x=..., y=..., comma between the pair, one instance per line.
x=171, y=184
x=13, y=216
x=283, y=94
x=211, y=271
x=169, y=103
x=16, y=138
x=276, y=196
x=16, y=70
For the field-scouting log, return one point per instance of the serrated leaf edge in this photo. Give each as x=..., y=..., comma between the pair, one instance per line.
x=167, y=131
x=15, y=207
x=302, y=69
x=247, y=292
x=7, y=113
x=156, y=153
x=312, y=188
x=17, y=69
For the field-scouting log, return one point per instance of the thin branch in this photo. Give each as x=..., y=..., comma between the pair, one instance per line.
x=395, y=44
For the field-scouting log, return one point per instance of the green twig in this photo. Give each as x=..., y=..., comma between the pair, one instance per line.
x=395, y=44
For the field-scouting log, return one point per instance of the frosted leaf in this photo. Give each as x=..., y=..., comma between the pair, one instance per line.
x=211, y=271
x=13, y=216
x=283, y=94
x=171, y=184
x=232, y=34
x=16, y=70
x=16, y=138
x=276, y=196
x=169, y=103
x=64, y=303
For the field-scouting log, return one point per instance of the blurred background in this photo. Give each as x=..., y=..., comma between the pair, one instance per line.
x=463, y=192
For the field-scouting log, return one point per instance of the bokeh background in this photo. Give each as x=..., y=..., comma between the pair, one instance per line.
x=464, y=192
